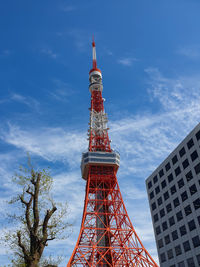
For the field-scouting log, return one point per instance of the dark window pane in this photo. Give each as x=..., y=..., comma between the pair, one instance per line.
x=151, y=195
x=170, y=177
x=161, y=173
x=197, y=168
x=177, y=171
x=186, y=246
x=196, y=203
x=170, y=254
x=184, y=196
x=176, y=202
x=178, y=250
x=166, y=195
x=173, y=189
x=188, y=210
x=189, y=176
x=164, y=226
x=181, y=264
x=190, y=143
x=158, y=230
x=182, y=230
x=198, y=218
x=182, y=152
x=153, y=206
x=149, y=184
x=167, y=239
x=194, y=155
x=155, y=179
x=196, y=241
x=162, y=213
x=159, y=201
x=171, y=221
x=163, y=184
x=155, y=217
x=160, y=243
x=185, y=163
x=163, y=257
x=157, y=190
x=169, y=207
x=193, y=189
x=190, y=262
x=174, y=159
x=179, y=216
x=167, y=166
x=198, y=135
x=198, y=259
x=191, y=225
x=173, y=265
x=174, y=235
x=180, y=183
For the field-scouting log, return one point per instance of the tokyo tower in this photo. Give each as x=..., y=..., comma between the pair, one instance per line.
x=107, y=237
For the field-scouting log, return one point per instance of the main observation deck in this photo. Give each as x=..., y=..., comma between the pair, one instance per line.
x=99, y=158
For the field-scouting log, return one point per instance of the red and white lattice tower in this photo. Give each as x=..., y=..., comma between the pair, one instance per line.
x=107, y=236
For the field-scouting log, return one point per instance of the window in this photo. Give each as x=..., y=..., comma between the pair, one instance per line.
x=153, y=205
x=190, y=262
x=198, y=218
x=160, y=243
x=183, y=230
x=186, y=246
x=163, y=257
x=189, y=176
x=198, y=135
x=158, y=230
x=188, y=210
x=190, y=143
x=171, y=221
x=191, y=225
x=178, y=250
x=194, y=155
x=176, y=202
x=155, y=217
x=167, y=166
x=155, y=179
x=149, y=184
x=164, y=226
x=170, y=254
x=159, y=201
x=193, y=189
x=169, y=207
x=174, y=159
x=162, y=213
x=157, y=190
x=182, y=152
x=198, y=259
x=196, y=241
x=179, y=216
x=151, y=195
x=161, y=173
x=177, y=171
x=196, y=203
x=181, y=264
x=173, y=189
x=184, y=196
x=166, y=195
x=185, y=163
x=174, y=235
x=167, y=239
x=170, y=177
x=197, y=168
x=163, y=184
x=180, y=183
x=173, y=265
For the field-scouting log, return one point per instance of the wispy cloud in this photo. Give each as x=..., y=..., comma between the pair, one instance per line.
x=191, y=52
x=68, y=8
x=49, y=52
x=126, y=61
x=62, y=91
x=5, y=53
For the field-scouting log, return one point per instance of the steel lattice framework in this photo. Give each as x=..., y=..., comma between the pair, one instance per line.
x=107, y=236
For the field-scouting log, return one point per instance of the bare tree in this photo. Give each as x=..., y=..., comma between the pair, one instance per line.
x=38, y=221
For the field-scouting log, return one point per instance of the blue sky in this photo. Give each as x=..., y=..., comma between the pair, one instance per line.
x=149, y=54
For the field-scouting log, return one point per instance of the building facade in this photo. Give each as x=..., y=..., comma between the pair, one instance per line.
x=174, y=199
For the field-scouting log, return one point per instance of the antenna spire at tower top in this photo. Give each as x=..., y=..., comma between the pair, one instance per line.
x=94, y=59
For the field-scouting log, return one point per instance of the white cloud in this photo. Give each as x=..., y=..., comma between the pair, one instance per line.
x=62, y=91
x=127, y=61
x=191, y=52
x=49, y=52
x=68, y=8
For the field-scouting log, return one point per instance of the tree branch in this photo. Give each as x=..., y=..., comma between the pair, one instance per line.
x=35, y=203
x=46, y=220
x=21, y=245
